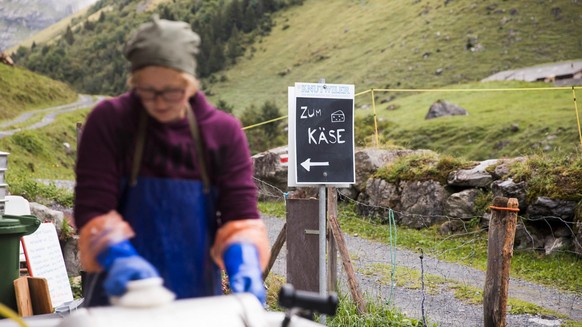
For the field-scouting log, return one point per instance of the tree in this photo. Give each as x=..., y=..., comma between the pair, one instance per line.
x=69, y=37
x=224, y=106
x=270, y=111
x=234, y=48
x=233, y=17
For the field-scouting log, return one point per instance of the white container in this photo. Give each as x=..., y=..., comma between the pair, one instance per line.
x=235, y=310
x=4, y=159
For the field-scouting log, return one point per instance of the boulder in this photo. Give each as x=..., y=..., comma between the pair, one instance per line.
x=368, y=160
x=380, y=196
x=528, y=238
x=552, y=210
x=46, y=214
x=422, y=203
x=461, y=205
x=555, y=244
x=474, y=177
x=71, y=256
x=443, y=108
x=270, y=173
x=502, y=168
x=509, y=189
x=453, y=226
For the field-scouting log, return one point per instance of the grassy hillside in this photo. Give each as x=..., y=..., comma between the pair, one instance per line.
x=500, y=123
x=379, y=44
x=22, y=90
x=401, y=44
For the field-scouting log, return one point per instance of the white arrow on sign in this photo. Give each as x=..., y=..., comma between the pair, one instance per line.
x=307, y=164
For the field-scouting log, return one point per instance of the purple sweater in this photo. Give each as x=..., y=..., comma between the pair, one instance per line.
x=107, y=147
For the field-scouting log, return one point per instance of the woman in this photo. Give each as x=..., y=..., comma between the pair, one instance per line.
x=164, y=180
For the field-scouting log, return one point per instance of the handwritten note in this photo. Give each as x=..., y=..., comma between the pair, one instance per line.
x=45, y=259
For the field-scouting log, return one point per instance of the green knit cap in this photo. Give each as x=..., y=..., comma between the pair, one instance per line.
x=163, y=43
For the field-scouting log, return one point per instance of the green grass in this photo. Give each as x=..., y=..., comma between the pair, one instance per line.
x=411, y=279
x=421, y=167
x=562, y=270
x=271, y=208
x=380, y=44
x=22, y=90
x=554, y=177
x=404, y=277
x=499, y=124
x=377, y=314
x=40, y=154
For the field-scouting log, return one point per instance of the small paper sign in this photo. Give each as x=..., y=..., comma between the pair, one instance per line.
x=45, y=259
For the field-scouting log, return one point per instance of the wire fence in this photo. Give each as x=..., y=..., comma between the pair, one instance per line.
x=373, y=93
x=419, y=281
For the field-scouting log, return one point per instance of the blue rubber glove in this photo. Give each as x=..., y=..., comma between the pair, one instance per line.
x=123, y=265
x=242, y=265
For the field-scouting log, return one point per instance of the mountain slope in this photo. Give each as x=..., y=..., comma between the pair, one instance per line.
x=372, y=44
x=402, y=44
x=20, y=19
x=22, y=90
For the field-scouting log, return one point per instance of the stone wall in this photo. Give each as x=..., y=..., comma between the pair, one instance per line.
x=545, y=224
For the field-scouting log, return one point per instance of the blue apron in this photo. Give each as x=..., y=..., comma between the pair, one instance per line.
x=175, y=225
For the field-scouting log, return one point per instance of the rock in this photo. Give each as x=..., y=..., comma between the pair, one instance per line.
x=380, y=196
x=442, y=108
x=509, y=189
x=270, y=172
x=502, y=169
x=368, y=160
x=577, y=239
x=461, y=205
x=527, y=238
x=554, y=244
x=422, y=203
x=71, y=256
x=552, y=210
x=475, y=177
x=453, y=226
x=48, y=215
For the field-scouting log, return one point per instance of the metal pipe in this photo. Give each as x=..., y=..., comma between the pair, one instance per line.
x=322, y=243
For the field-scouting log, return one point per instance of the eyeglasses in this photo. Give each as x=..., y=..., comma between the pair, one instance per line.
x=169, y=95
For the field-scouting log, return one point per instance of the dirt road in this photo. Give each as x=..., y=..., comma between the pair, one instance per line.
x=50, y=114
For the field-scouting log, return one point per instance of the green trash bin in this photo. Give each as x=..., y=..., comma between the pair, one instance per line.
x=12, y=228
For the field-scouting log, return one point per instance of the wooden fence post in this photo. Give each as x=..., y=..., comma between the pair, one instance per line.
x=275, y=250
x=502, y=228
x=347, y=263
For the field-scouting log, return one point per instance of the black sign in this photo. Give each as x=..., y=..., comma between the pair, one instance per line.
x=324, y=140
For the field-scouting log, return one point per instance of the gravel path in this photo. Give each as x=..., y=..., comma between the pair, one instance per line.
x=440, y=305
x=85, y=101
